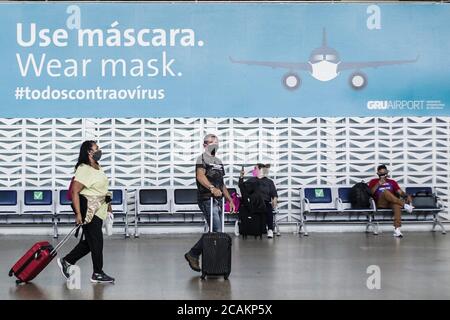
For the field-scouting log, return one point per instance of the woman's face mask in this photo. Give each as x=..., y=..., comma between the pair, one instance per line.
x=256, y=172
x=97, y=155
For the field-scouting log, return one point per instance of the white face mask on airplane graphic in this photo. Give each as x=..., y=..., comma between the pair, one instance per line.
x=324, y=70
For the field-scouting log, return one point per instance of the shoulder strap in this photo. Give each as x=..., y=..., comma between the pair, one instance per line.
x=203, y=161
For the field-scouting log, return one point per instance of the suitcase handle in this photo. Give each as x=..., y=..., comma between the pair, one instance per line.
x=66, y=238
x=211, y=214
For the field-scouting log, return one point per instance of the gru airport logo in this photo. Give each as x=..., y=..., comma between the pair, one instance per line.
x=396, y=104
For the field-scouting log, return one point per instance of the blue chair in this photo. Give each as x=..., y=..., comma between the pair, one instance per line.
x=119, y=207
x=319, y=195
x=151, y=202
x=344, y=194
x=314, y=200
x=40, y=197
x=39, y=202
x=9, y=203
x=185, y=198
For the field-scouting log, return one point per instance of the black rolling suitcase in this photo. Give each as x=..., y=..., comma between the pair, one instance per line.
x=251, y=224
x=216, y=255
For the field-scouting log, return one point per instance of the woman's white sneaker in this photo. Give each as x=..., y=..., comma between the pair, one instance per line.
x=269, y=233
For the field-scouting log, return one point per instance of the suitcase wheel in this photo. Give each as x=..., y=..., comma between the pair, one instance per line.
x=225, y=277
x=11, y=272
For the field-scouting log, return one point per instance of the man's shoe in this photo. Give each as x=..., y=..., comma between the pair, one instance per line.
x=64, y=266
x=193, y=262
x=269, y=233
x=409, y=208
x=101, y=278
x=397, y=233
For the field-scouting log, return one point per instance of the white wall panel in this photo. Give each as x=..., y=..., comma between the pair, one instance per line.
x=162, y=151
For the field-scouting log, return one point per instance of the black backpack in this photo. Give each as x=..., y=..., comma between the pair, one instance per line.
x=252, y=197
x=257, y=204
x=360, y=196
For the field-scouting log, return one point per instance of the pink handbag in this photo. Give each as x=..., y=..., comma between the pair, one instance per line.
x=236, y=200
x=69, y=192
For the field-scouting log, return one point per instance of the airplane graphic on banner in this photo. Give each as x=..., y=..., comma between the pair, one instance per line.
x=324, y=65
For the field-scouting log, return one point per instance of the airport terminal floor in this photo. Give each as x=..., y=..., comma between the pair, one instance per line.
x=289, y=267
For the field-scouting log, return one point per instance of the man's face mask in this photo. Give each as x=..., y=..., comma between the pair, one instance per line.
x=382, y=174
x=97, y=155
x=212, y=148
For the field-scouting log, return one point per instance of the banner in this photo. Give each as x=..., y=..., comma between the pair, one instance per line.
x=224, y=60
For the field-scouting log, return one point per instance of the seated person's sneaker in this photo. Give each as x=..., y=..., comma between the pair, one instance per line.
x=269, y=233
x=64, y=266
x=397, y=233
x=409, y=208
x=236, y=229
x=193, y=262
x=101, y=278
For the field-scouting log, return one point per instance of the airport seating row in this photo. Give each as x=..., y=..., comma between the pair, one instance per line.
x=332, y=204
x=318, y=203
x=47, y=205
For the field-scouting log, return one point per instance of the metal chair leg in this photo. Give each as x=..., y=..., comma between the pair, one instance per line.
x=377, y=229
x=127, y=235
x=301, y=227
x=55, y=229
x=438, y=222
x=136, y=227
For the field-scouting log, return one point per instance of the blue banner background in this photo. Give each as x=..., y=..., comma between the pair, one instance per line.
x=212, y=86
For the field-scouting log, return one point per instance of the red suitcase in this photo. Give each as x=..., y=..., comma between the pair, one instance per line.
x=36, y=259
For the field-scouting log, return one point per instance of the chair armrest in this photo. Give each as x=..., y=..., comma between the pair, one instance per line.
x=374, y=205
x=307, y=206
x=439, y=203
x=338, y=204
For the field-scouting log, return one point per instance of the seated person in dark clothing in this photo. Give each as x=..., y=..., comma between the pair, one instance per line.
x=266, y=187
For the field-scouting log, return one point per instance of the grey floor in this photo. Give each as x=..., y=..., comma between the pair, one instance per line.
x=321, y=266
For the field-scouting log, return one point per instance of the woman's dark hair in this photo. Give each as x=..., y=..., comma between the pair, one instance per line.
x=262, y=165
x=381, y=166
x=84, y=150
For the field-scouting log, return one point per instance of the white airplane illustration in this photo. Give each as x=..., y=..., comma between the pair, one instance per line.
x=324, y=65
